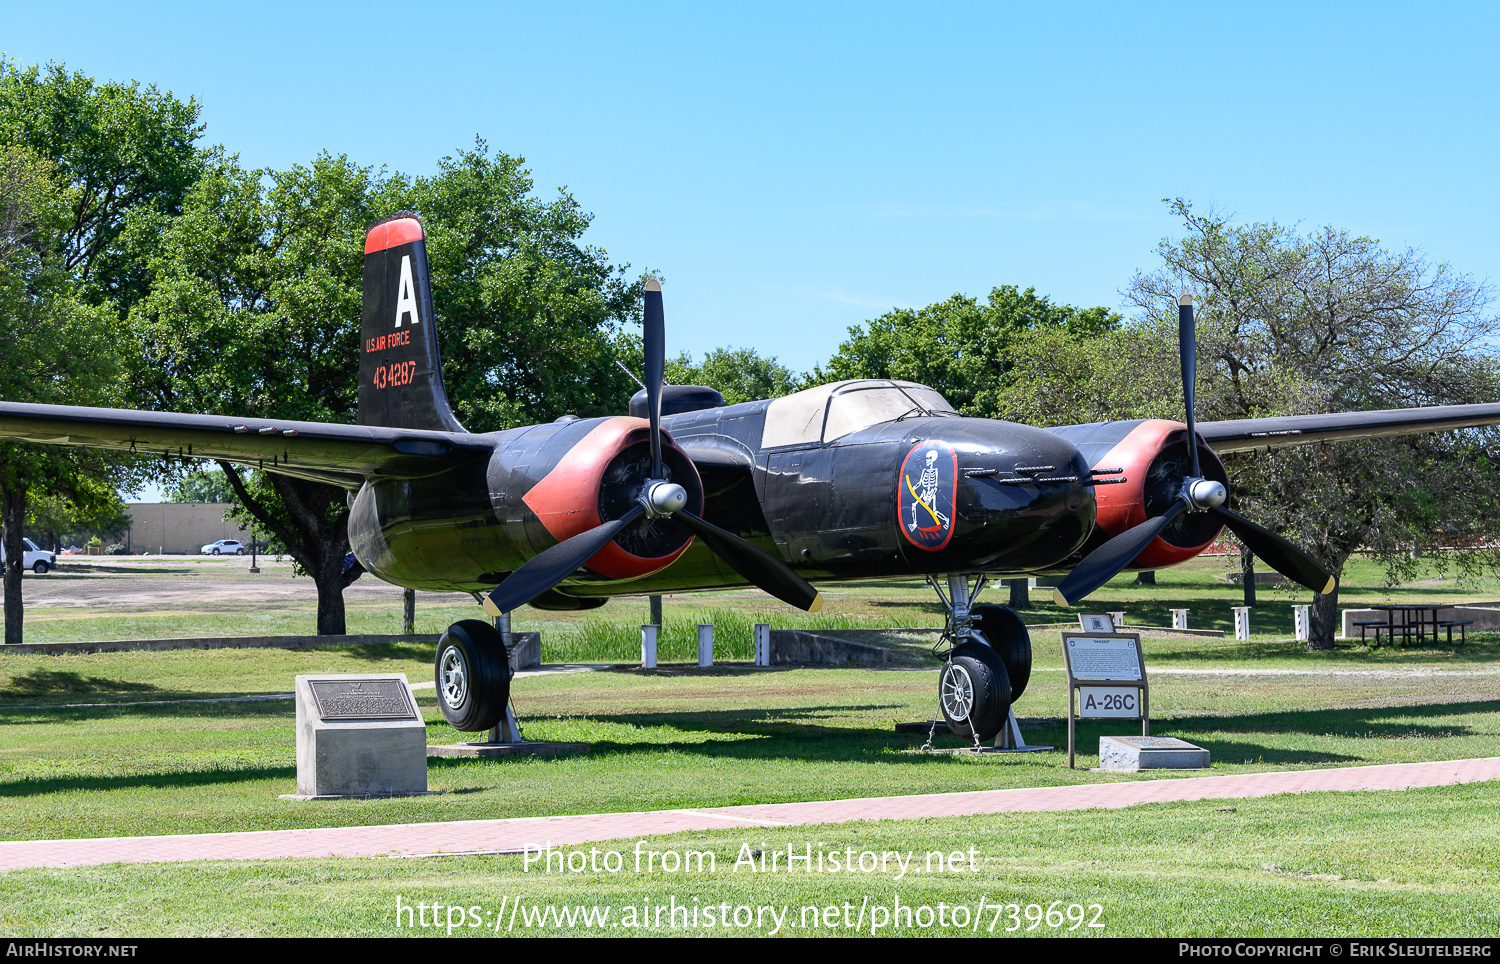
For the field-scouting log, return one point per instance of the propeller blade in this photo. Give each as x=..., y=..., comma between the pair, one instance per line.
x=1105, y=562
x=1277, y=552
x=763, y=570
x=1187, y=354
x=551, y=566
x=655, y=337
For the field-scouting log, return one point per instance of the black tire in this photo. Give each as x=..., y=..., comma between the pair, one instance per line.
x=40, y=568
x=216, y=552
x=472, y=673
x=974, y=692
x=239, y=552
x=1008, y=636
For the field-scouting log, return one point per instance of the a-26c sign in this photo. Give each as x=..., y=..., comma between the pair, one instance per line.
x=1099, y=702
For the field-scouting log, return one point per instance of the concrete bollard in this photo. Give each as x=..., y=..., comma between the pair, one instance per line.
x=1119, y=620
x=648, y=646
x=1179, y=619
x=705, y=644
x=762, y=637
x=1241, y=622
x=1302, y=617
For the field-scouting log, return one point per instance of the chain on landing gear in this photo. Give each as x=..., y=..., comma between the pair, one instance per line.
x=986, y=665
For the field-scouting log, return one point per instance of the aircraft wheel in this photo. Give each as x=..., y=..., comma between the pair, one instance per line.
x=1008, y=635
x=974, y=692
x=472, y=673
x=40, y=568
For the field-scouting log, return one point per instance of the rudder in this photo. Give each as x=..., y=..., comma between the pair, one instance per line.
x=400, y=370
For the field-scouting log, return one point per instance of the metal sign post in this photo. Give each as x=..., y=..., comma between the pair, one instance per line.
x=1106, y=679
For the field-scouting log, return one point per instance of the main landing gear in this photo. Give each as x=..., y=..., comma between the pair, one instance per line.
x=472, y=673
x=986, y=669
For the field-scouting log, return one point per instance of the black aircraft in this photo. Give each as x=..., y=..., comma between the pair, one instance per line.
x=860, y=479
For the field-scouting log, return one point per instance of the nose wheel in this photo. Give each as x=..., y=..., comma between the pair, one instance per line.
x=989, y=651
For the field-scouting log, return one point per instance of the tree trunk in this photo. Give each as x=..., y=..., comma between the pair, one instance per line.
x=1325, y=620
x=1247, y=573
x=330, y=596
x=13, y=520
x=1146, y=577
x=315, y=530
x=1020, y=593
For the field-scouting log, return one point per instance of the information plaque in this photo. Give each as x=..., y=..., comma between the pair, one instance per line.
x=362, y=699
x=1106, y=679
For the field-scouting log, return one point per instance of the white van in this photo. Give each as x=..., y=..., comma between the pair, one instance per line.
x=37, y=560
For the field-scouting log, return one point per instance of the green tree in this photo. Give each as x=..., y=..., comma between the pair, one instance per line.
x=254, y=310
x=960, y=347
x=76, y=159
x=116, y=148
x=1324, y=322
x=202, y=485
x=55, y=347
x=739, y=374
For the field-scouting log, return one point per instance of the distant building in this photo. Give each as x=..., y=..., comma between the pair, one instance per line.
x=178, y=526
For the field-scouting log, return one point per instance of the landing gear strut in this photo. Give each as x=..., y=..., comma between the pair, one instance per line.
x=986, y=669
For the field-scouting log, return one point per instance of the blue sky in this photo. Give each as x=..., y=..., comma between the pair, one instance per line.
x=796, y=169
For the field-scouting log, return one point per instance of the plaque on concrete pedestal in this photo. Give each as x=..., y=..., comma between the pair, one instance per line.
x=359, y=736
x=1132, y=753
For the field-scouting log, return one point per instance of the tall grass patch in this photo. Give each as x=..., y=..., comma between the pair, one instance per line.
x=601, y=641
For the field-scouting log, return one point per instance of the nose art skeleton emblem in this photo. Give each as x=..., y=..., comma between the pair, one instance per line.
x=926, y=501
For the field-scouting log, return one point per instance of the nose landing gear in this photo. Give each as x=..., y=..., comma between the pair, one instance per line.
x=986, y=669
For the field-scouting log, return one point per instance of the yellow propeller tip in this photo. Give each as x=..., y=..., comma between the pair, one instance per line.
x=817, y=604
x=491, y=608
x=1328, y=588
x=1058, y=599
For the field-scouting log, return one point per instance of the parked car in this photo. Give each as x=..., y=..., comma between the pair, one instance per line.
x=223, y=548
x=37, y=560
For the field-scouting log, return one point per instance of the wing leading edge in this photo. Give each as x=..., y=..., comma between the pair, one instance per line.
x=1247, y=434
x=344, y=455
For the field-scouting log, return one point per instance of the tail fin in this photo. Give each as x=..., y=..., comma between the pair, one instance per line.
x=400, y=371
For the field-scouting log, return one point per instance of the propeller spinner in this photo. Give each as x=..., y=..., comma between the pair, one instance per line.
x=1197, y=494
x=658, y=498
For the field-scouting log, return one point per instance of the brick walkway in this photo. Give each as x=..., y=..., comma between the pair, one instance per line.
x=499, y=836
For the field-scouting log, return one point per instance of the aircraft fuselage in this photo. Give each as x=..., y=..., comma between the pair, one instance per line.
x=891, y=499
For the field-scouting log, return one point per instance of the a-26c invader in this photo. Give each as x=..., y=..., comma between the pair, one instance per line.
x=865, y=479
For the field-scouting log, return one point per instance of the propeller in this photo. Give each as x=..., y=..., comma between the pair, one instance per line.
x=658, y=499
x=1198, y=495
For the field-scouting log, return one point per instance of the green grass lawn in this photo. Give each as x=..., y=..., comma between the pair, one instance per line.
x=1420, y=862
x=1411, y=864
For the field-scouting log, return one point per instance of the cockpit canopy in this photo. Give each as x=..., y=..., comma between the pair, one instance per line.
x=832, y=411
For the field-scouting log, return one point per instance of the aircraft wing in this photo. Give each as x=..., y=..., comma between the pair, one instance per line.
x=343, y=455
x=1247, y=434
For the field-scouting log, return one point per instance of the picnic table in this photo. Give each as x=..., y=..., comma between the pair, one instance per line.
x=1411, y=620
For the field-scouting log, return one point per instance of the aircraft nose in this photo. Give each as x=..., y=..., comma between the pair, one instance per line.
x=1021, y=496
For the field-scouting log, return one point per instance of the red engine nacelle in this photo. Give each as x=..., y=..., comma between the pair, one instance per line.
x=1155, y=459
x=598, y=479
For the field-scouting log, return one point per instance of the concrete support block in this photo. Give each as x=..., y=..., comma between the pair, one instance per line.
x=1302, y=618
x=705, y=644
x=525, y=651
x=1150, y=753
x=648, y=646
x=359, y=735
x=1241, y=622
x=762, y=639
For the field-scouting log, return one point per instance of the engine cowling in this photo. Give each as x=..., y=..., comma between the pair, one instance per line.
x=598, y=480
x=1156, y=460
